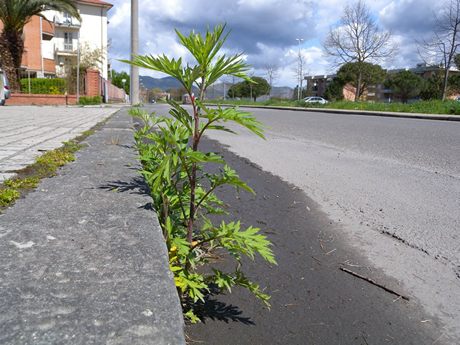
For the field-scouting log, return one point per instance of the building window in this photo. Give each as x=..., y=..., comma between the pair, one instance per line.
x=67, y=18
x=68, y=42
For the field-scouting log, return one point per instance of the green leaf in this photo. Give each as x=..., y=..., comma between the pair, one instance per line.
x=181, y=115
x=201, y=157
x=223, y=280
x=193, y=284
x=247, y=242
x=243, y=281
x=191, y=316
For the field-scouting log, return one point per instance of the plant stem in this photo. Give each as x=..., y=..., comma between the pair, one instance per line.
x=196, y=140
x=205, y=196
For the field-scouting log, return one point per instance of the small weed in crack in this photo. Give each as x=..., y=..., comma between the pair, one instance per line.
x=44, y=166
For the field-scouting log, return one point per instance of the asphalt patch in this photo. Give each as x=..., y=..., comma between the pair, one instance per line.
x=313, y=301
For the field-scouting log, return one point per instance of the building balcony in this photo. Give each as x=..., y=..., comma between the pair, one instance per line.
x=66, y=49
x=63, y=21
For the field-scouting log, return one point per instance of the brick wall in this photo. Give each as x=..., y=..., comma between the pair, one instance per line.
x=23, y=99
x=93, y=83
x=115, y=94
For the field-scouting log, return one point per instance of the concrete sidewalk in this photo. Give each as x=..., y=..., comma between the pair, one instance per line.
x=25, y=132
x=82, y=258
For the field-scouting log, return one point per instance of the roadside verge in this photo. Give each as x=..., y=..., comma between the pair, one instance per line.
x=354, y=112
x=82, y=258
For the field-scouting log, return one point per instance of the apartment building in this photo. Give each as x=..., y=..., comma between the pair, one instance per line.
x=51, y=44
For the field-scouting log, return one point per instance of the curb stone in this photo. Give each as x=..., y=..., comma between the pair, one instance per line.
x=82, y=258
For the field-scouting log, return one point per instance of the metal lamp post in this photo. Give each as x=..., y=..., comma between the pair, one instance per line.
x=123, y=82
x=78, y=66
x=134, y=74
x=299, y=84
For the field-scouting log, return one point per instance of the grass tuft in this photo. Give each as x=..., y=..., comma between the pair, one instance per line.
x=44, y=166
x=8, y=196
x=22, y=183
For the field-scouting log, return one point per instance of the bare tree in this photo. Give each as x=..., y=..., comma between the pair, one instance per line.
x=445, y=41
x=271, y=71
x=358, y=39
x=298, y=71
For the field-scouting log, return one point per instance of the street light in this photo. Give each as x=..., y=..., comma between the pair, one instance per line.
x=299, y=84
x=123, y=82
x=78, y=66
x=134, y=73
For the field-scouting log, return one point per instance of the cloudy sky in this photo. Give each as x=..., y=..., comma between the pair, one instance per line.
x=265, y=30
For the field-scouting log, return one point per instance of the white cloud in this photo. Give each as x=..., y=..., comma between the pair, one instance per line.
x=265, y=30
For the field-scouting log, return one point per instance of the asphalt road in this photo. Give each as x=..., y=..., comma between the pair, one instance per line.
x=393, y=184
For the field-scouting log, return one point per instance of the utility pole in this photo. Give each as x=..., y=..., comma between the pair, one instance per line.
x=299, y=84
x=134, y=75
x=78, y=66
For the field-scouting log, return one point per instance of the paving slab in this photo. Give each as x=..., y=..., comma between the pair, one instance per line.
x=82, y=258
x=33, y=129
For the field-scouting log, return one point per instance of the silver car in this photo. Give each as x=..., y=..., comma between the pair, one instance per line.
x=5, y=91
x=319, y=100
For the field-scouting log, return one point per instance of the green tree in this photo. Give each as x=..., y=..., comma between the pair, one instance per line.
x=454, y=84
x=334, y=90
x=405, y=85
x=433, y=88
x=457, y=61
x=181, y=185
x=255, y=88
x=360, y=75
x=357, y=38
x=15, y=14
x=445, y=40
x=117, y=80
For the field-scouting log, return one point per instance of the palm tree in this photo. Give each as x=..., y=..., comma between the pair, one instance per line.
x=15, y=14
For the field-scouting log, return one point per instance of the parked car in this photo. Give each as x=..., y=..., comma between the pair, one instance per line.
x=319, y=100
x=4, y=88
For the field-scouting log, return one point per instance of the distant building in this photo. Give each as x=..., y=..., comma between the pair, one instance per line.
x=316, y=85
x=50, y=45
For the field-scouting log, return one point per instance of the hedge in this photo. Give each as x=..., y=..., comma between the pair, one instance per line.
x=44, y=86
x=87, y=100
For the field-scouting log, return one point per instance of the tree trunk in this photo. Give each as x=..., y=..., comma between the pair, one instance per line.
x=11, y=50
x=358, y=87
x=444, y=84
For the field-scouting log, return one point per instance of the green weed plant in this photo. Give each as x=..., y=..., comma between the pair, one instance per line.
x=44, y=166
x=182, y=189
x=8, y=196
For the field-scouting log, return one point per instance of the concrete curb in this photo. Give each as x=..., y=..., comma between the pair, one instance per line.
x=355, y=112
x=82, y=258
